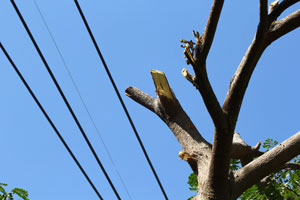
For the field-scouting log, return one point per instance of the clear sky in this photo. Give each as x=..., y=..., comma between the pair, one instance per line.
x=134, y=37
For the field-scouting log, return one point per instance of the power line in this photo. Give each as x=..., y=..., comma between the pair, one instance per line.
x=120, y=98
x=64, y=98
x=82, y=101
x=49, y=120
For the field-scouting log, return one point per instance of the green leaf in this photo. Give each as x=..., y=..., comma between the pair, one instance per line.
x=235, y=164
x=21, y=193
x=191, y=198
x=1, y=188
x=269, y=143
x=193, y=182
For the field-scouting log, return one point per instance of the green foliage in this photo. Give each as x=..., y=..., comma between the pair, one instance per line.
x=193, y=182
x=2, y=190
x=235, y=164
x=9, y=195
x=283, y=185
x=269, y=144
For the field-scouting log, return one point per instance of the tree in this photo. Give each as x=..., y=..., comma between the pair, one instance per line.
x=211, y=162
x=9, y=195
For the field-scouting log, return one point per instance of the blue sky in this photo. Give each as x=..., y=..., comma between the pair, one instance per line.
x=134, y=37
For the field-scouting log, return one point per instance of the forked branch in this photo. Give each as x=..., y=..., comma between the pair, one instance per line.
x=167, y=107
x=283, y=26
x=267, y=32
x=280, y=8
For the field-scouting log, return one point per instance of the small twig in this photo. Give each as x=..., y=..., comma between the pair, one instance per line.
x=189, y=56
x=273, y=5
x=257, y=146
x=189, y=77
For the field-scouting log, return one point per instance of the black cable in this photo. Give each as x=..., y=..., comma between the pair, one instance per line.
x=49, y=120
x=120, y=98
x=64, y=98
x=81, y=98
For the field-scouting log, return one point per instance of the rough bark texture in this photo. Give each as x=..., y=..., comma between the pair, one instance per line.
x=210, y=162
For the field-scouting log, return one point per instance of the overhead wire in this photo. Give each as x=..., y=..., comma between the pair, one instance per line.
x=119, y=97
x=49, y=120
x=65, y=99
x=80, y=96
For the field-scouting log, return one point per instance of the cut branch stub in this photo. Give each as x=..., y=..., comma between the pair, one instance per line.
x=164, y=93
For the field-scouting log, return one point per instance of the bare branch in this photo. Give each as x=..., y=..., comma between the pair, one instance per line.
x=211, y=27
x=263, y=11
x=189, y=77
x=277, y=10
x=203, y=45
x=241, y=150
x=189, y=56
x=141, y=98
x=210, y=100
x=283, y=26
x=201, y=82
x=241, y=78
x=270, y=162
x=291, y=166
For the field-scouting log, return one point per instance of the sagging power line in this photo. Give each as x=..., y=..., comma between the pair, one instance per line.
x=64, y=99
x=119, y=97
x=49, y=120
x=80, y=96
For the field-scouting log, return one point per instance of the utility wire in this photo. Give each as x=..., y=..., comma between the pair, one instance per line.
x=82, y=101
x=64, y=98
x=49, y=120
x=120, y=98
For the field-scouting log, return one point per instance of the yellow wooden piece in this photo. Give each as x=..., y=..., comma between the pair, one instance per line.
x=161, y=84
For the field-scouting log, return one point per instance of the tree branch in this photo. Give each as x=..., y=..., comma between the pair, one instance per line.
x=200, y=80
x=291, y=166
x=241, y=150
x=270, y=162
x=210, y=28
x=241, y=78
x=263, y=11
x=171, y=112
x=283, y=26
x=280, y=8
x=142, y=98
